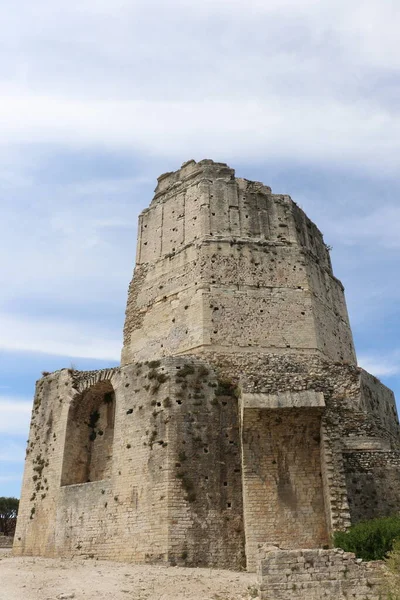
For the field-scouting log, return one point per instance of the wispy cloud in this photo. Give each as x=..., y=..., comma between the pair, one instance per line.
x=271, y=126
x=62, y=243
x=58, y=337
x=381, y=366
x=15, y=414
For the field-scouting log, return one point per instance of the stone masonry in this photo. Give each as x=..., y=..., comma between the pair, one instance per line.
x=6, y=541
x=238, y=415
x=318, y=574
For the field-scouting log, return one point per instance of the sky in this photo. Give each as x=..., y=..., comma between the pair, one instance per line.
x=99, y=97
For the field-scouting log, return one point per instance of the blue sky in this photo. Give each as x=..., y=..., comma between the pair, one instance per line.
x=98, y=98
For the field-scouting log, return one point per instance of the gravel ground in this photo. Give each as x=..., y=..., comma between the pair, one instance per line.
x=57, y=579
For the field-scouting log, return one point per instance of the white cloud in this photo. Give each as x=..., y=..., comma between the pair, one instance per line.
x=58, y=337
x=381, y=366
x=273, y=127
x=227, y=79
x=15, y=415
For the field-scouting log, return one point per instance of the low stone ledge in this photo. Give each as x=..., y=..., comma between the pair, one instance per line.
x=314, y=574
x=6, y=541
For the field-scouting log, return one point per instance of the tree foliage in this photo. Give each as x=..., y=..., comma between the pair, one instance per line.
x=8, y=515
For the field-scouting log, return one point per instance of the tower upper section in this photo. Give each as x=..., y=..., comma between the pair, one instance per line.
x=224, y=265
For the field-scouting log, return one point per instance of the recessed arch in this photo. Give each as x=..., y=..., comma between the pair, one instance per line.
x=89, y=436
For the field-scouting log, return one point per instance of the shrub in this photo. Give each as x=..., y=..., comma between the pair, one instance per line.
x=370, y=540
x=187, y=369
x=227, y=387
x=390, y=589
x=153, y=364
x=393, y=558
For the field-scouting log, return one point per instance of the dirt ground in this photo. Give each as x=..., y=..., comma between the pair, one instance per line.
x=53, y=579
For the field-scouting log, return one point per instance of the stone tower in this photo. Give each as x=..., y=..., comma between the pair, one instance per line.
x=225, y=266
x=238, y=415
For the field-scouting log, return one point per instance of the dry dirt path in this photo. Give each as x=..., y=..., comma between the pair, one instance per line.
x=50, y=579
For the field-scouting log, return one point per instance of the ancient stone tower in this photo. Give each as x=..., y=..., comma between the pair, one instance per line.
x=238, y=415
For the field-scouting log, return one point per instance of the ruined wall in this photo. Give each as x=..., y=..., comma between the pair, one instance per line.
x=379, y=401
x=35, y=531
x=123, y=515
x=373, y=483
x=315, y=574
x=174, y=485
x=210, y=242
x=349, y=425
x=171, y=487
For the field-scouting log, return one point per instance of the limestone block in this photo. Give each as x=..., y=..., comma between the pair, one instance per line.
x=307, y=399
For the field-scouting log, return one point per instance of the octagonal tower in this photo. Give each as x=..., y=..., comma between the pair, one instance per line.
x=225, y=266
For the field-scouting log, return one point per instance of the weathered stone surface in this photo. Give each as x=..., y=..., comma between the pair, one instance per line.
x=315, y=574
x=6, y=541
x=238, y=416
x=223, y=264
x=171, y=489
x=307, y=399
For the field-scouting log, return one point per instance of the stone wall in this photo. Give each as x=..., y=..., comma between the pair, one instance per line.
x=6, y=541
x=121, y=516
x=315, y=574
x=373, y=483
x=378, y=400
x=206, y=508
x=350, y=425
x=185, y=478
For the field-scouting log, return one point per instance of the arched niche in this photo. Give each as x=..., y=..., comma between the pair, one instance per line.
x=89, y=437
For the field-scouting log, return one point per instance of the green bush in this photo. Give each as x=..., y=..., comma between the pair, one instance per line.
x=370, y=540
